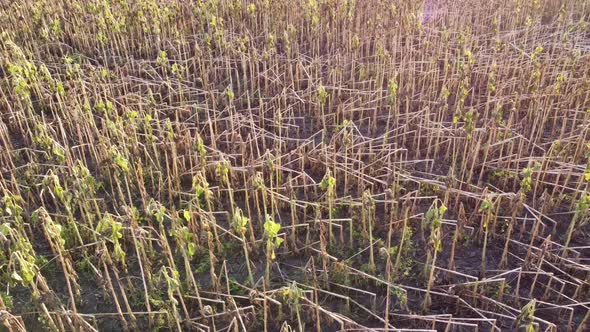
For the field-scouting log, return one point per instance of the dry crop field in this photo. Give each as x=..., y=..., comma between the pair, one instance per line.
x=281, y=165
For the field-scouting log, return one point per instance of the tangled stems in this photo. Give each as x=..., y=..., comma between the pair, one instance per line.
x=582, y=208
